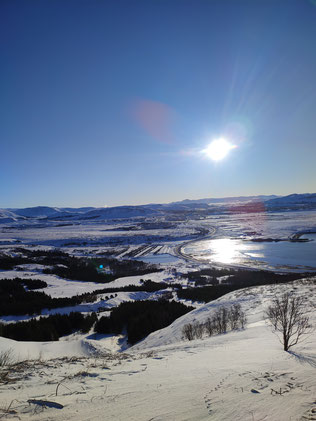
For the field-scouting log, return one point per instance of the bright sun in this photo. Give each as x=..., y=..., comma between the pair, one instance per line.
x=218, y=149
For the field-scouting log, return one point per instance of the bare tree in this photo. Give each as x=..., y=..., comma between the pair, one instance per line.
x=220, y=319
x=188, y=332
x=209, y=326
x=198, y=330
x=236, y=317
x=233, y=316
x=286, y=315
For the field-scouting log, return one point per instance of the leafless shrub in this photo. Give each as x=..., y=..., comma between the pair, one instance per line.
x=6, y=410
x=61, y=384
x=198, y=330
x=243, y=320
x=287, y=316
x=6, y=358
x=209, y=327
x=236, y=317
x=223, y=319
x=4, y=377
x=149, y=354
x=187, y=332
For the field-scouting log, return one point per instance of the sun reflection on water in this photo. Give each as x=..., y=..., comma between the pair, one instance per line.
x=226, y=250
x=240, y=252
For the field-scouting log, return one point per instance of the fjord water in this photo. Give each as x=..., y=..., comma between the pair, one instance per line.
x=283, y=255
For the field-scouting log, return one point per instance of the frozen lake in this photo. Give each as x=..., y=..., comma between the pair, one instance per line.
x=283, y=255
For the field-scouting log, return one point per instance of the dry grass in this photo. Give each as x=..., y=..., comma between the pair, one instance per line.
x=6, y=358
x=6, y=410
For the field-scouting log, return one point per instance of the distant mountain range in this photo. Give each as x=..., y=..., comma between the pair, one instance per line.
x=297, y=199
x=208, y=205
x=237, y=199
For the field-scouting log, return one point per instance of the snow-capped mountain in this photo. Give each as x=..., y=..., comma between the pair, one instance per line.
x=119, y=212
x=307, y=200
x=293, y=201
x=238, y=199
x=38, y=212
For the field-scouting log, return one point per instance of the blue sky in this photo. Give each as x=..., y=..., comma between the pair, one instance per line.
x=111, y=102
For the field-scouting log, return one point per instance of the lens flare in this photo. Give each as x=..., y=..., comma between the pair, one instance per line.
x=218, y=149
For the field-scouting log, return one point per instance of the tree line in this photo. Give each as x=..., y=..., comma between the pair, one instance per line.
x=49, y=328
x=240, y=277
x=222, y=320
x=75, y=268
x=211, y=289
x=140, y=318
x=16, y=300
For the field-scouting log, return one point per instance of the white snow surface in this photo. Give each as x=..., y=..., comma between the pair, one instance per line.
x=254, y=301
x=59, y=287
x=100, y=304
x=237, y=376
x=56, y=287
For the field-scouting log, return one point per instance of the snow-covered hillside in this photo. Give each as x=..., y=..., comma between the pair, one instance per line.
x=228, y=200
x=86, y=214
x=293, y=199
x=7, y=216
x=39, y=212
x=239, y=376
x=254, y=301
x=120, y=212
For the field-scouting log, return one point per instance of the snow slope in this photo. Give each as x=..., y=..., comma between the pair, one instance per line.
x=6, y=216
x=228, y=200
x=307, y=200
x=119, y=212
x=240, y=376
x=38, y=212
x=254, y=301
x=59, y=287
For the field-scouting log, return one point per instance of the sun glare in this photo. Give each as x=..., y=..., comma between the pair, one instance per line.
x=218, y=149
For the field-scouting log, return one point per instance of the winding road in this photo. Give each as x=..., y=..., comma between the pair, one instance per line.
x=178, y=249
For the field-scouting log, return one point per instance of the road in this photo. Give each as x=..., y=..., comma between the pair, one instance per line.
x=178, y=249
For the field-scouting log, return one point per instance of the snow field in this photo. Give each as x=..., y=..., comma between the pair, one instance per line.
x=254, y=301
x=239, y=376
x=60, y=287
